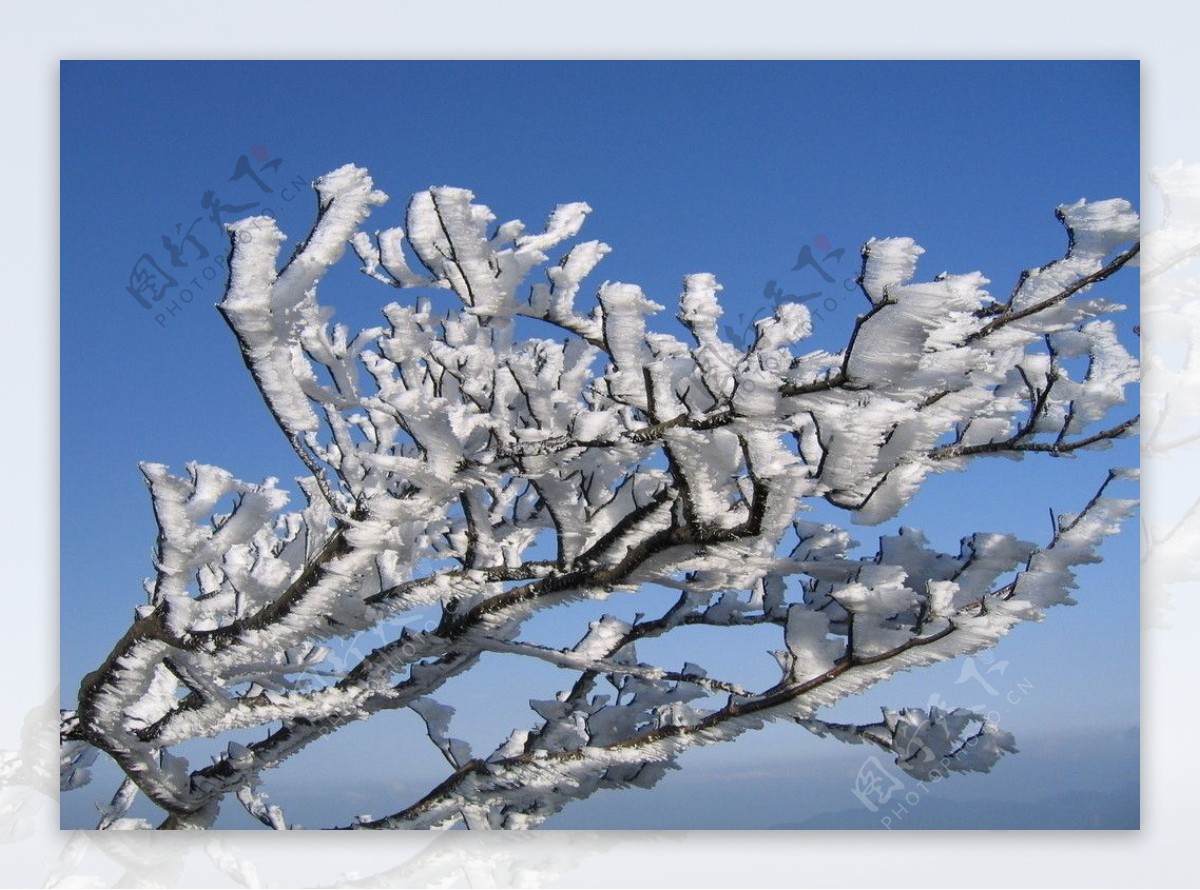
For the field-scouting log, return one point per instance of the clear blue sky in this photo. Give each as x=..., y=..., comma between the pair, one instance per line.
x=730, y=168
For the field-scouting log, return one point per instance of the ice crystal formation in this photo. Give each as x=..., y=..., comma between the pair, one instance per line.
x=457, y=466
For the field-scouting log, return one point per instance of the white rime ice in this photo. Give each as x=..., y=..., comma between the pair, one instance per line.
x=446, y=447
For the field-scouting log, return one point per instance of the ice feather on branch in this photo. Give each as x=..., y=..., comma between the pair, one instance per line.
x=443, y=448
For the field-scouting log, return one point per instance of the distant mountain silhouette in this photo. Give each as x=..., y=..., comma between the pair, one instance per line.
x=1118, y=808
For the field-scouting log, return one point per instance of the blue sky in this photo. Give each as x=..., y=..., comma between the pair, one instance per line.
x=720, y=167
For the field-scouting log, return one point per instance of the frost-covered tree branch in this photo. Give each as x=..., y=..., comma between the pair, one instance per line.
x=513, y=451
